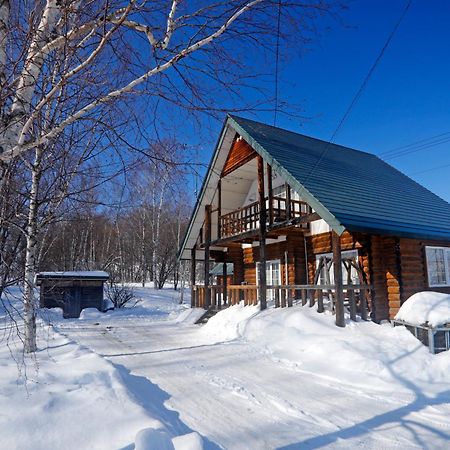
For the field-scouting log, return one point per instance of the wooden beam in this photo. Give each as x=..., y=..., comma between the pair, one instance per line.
x=193, y=266
x=225, y=281
x=297, y=221
x=262, y=286
x=339, y=291
x=207, y=237
x=270, y=192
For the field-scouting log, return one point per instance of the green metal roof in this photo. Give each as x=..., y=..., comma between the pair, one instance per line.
x=350, y=189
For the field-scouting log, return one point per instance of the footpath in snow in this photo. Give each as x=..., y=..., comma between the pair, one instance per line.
x=286, y=379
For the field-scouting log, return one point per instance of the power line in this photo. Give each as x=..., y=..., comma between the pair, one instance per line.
x=414, y=143
x=360, y=90
x=432, y=169
x=416, y=146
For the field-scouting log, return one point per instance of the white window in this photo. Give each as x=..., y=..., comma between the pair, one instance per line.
x=347, y=254
x=438, y=265
x=273, y=276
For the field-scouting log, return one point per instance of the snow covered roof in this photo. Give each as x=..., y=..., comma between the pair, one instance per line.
x=73, y=275
x=426, y=308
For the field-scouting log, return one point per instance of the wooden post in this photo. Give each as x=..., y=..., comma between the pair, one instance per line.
x=193, y=264
x=262, y=236
x=225, y=282
x=270, y=192
x=277, y=298
x=304, y=297
x=288, y=201
x=320, y=308
x=339, y=292
x=207, y=243
x=219, y=208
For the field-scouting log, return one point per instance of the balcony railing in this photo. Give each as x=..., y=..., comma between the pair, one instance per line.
x=247, y=218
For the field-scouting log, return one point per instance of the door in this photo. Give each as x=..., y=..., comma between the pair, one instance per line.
x=273, y=276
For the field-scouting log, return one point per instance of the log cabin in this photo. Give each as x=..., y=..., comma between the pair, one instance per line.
x=305, y=221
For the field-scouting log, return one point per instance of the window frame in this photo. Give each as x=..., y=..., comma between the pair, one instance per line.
x=446, y=251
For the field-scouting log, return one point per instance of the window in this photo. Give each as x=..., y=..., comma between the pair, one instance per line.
x=353, y=254
x=273, y=276
x=438, y=265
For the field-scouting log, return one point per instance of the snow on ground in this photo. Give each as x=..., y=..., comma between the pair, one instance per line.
x=68, y=397
x=432, y=308
x=285, y=378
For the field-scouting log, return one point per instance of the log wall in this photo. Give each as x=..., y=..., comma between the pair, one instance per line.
x=414, y=266
x=295, y=248
x=395, y=267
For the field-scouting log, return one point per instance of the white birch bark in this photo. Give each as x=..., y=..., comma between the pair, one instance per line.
x=29, y=307
x=26, y=85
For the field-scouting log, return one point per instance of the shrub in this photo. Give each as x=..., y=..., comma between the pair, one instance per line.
x=120, y=295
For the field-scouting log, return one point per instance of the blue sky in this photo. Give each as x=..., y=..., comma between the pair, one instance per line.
x=407, y=98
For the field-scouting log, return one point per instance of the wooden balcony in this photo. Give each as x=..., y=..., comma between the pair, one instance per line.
x=279, y=211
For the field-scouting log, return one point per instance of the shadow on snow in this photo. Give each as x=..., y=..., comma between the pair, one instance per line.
x=152, y=398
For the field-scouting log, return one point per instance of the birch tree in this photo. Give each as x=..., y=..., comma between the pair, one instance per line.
x=91, y=61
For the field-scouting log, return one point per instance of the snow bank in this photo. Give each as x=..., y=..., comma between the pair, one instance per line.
x=230, y=323
x=191, y=441
x=150, y=439
x=187, y=316
x=426, y=308
x=91, y=313
x=73, y=400
x=301, y=338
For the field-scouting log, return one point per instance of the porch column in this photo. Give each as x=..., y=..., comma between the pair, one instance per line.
x=193, y=264
x=339, y=292
x=262, y=236
x=270, y=192
x=207, y=243
x=225, y=281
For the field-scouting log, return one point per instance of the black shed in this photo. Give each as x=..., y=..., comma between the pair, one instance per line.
x=71, y=291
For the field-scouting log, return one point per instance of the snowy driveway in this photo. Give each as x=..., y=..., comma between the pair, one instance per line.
x=238, y=395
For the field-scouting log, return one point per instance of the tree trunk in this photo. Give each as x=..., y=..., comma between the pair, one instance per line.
x=143, y=259
x=30, y=257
